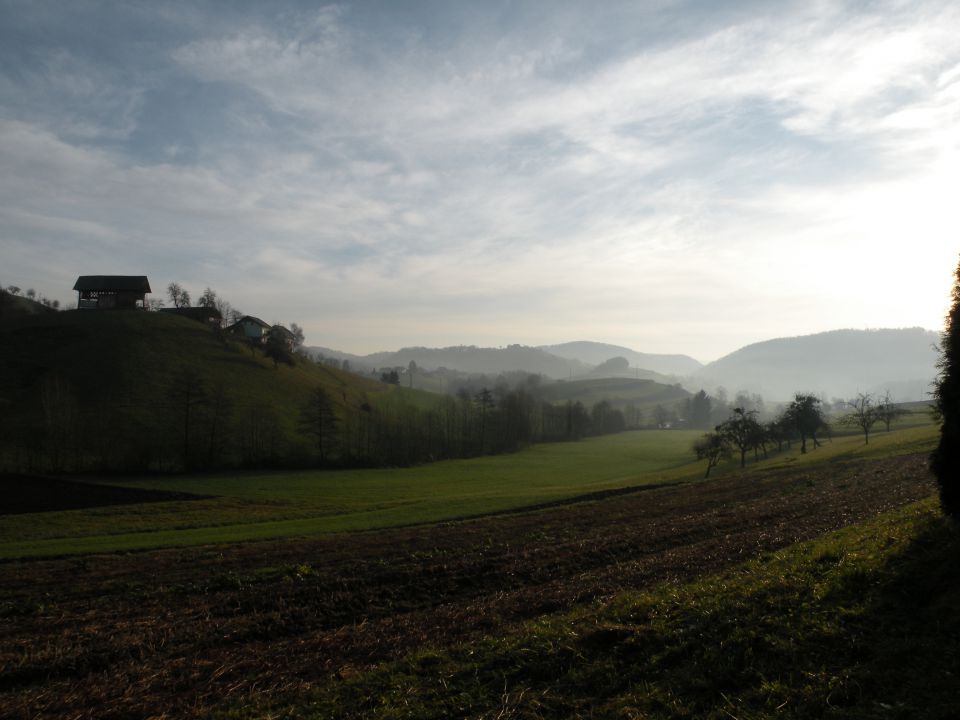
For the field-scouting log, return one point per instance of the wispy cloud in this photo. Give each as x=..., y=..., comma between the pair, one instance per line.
x=417, y=172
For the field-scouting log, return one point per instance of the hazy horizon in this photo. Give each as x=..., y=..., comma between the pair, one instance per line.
x=672, y=177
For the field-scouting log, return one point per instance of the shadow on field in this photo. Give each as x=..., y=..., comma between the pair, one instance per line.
x=31, y=494
x=904, y=660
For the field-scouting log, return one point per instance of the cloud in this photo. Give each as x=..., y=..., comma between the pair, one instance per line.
x=565, y=177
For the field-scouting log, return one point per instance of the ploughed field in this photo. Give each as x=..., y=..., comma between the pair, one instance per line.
x=201, y=630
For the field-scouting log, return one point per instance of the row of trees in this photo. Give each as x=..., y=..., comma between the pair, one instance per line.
x=865, y=411
x=30, y=294
x=801, y=420
x=742, y=432
x=179, y=297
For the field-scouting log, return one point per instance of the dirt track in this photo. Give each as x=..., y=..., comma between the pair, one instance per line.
x=174, y=633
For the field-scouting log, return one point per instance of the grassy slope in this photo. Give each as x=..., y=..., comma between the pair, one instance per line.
x=133, y=359
x=284, y=504
x=142, y=352
x=862, y=623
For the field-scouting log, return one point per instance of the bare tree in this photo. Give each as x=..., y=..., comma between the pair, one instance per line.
x=887, y=411
x=713, y=448
x=208, y=299
x=742, y=431
x=298, y=338
x=187, y=394
x=178, y=296
x=863, y=414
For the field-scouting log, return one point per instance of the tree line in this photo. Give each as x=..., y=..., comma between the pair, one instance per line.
x=399, y=430
x=196, y=423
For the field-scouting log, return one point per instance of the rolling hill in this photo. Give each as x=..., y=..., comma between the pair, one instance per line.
x=468, y=359
x=552, y=361
x=839, y=363
x=621, y=392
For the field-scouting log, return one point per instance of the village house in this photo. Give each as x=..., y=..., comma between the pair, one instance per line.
x=251, y=328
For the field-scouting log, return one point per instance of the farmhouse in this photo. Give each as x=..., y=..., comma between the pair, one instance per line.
x=112, y=292
x=251, y=328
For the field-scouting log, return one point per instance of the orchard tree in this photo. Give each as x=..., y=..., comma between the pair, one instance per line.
x=277, y=348
x=742, y=431
x=713, y=448
x=863, y=414
x=805, y=415
x=887, y=411
x=945, y=460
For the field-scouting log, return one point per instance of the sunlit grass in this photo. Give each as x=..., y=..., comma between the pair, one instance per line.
x=256, y=506
x=279, y=504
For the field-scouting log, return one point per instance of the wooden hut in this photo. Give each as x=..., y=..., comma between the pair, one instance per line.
x=112, y=292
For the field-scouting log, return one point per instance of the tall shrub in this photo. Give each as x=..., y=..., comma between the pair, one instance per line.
x=945, y=460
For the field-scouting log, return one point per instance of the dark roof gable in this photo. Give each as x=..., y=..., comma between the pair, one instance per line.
x=117, y=283
x=254, y=320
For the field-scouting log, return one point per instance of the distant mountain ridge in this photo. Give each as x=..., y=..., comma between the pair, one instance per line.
x=838, y=363
x=594, y=353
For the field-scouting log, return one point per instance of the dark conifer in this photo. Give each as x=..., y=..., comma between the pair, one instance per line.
x=945, y=460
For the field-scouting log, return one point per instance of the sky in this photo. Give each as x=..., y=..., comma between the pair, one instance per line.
x=675, y=177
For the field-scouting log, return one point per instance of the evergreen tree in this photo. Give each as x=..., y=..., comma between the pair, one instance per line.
x=945, y=460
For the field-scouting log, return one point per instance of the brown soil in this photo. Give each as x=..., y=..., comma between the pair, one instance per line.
x=175, y=633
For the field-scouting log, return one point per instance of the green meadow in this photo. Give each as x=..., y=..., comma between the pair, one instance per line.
x=258, y=506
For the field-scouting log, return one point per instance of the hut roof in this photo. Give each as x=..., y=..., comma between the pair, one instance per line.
x=115, y=283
